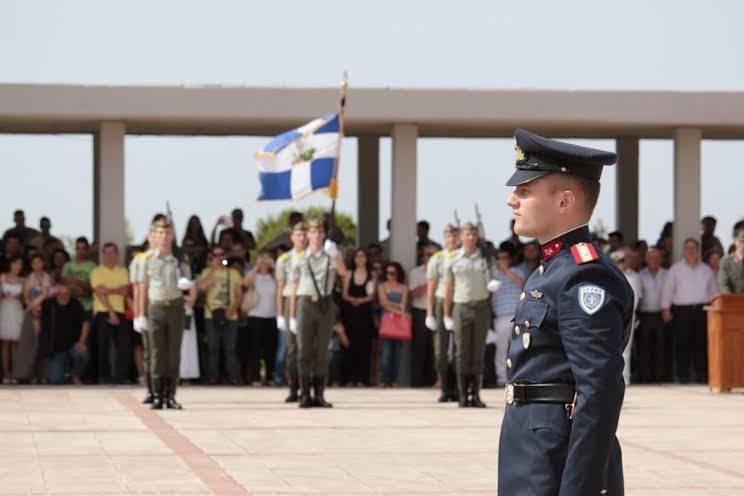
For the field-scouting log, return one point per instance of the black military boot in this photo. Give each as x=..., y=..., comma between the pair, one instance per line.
x=475, y=400
x=150, y=394
x=305, y=400
x=292, y=389
x=159, y=394
x=319, y=388
x=462, y=387
x=444, y=396
x=170, y=396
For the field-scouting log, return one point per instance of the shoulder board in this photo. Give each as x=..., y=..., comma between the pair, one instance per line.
x=437, y=254
x=145, y=255
x=453, y=253
x=299, y=254
x=584, y=253
x=283, y=257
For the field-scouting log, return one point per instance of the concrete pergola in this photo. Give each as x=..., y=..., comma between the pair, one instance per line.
x=109, y=113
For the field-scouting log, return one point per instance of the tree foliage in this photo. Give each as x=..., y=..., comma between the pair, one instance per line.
x=267, y=228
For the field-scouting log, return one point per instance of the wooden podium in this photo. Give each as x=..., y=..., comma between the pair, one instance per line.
x=726, y=342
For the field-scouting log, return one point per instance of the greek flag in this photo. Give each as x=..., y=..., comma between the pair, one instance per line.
x=298, y=162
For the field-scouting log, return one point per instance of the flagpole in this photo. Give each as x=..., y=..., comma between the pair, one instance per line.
x=333, y=189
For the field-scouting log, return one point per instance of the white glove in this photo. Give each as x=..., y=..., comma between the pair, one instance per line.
x=136, y=324
x=184, y=284
x=293, y=326
x=330, y=248
x=449, y=324
x=143, y=323
x=281, y=324
x=431, y=323
x=493, y=285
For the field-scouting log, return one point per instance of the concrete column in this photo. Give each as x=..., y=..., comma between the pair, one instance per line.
x=626, y=188
x=403, y=196
x=403, y=217
x=108, y=185
x=686, y=187
x=368, y=189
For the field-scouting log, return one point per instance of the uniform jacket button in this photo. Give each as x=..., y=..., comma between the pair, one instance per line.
x=517, y=330
x=509, y=362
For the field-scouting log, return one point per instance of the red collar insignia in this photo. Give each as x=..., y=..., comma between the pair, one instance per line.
x=550, y=250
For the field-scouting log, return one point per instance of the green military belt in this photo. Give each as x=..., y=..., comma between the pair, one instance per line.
x=474, y=304
x=315, y=298
x=167, y=303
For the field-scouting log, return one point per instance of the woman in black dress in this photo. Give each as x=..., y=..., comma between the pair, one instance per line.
x=359, y=292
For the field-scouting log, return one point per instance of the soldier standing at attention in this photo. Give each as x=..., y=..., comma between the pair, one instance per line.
x=165, y=318
x=139, y=300
x=283, y=292
x=467, y=312
x=311, y=309
x=565, y=364
x=436, y=287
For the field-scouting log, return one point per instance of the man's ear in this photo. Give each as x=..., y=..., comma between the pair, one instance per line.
x=568, y=201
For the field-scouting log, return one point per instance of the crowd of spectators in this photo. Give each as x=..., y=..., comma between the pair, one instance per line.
x=68, y=318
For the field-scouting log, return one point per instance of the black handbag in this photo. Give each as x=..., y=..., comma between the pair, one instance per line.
x=219, y=319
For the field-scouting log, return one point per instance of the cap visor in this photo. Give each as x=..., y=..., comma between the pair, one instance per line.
x=522, y=176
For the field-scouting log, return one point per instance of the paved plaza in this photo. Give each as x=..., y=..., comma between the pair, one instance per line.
x=677, y=440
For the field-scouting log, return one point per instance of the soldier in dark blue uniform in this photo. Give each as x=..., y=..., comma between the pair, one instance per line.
x=565, y=364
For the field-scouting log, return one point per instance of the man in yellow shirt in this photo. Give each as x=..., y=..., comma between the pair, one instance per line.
x=110, y=283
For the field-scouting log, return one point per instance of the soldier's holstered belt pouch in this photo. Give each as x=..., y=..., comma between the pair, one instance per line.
x=516, y=394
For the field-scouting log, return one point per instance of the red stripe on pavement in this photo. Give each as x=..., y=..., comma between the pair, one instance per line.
x=211, y=474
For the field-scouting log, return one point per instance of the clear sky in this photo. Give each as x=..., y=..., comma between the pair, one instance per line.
x=635, y=44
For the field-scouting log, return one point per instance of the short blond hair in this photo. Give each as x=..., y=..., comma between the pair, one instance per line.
x=586, y=189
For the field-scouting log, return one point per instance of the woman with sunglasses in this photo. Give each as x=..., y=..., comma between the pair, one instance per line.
x=393, y=295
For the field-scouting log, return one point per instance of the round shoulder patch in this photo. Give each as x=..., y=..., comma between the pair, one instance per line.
x=591, y=298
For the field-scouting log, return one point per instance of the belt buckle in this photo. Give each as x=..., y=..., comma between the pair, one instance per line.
x=314, y=298
x=509, y=394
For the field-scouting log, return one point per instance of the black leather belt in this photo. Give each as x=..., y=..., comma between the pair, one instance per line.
x=515, y=394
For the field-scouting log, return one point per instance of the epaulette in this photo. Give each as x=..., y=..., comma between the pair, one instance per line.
x=283, y=257
x=584, y=253
x=299, y=254
x=452, y=253
x=437, y=254
x=143, y=255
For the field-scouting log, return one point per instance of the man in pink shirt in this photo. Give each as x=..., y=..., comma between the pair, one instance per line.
x=690, y=284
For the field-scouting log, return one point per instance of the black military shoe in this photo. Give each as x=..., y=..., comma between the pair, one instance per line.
x=475, y=384
x=444, y=397
x=150, y=395
x=319, y=388
x=170, y=396
x=158, y=396
x=305, y=400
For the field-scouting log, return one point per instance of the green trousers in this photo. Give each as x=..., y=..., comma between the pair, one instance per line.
x=315, y=322
x=441, y=340
x=166, y=331
x=291, y=343
x=471, y=327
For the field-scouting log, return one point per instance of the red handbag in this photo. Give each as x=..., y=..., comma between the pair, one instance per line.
x=396, y=327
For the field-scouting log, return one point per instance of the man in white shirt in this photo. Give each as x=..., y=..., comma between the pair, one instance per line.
x=690, y=284
x=654, y=358
x=422, y=344
x=620, y=257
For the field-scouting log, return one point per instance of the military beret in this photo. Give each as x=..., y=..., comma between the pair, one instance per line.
x=315, y=224
x=537, y=156
x=300, y=226
x=450, y=228
x=469, y=226
x=739, y=235
x=161, y=224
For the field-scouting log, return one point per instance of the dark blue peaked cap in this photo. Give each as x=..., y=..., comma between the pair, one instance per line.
x=537, y=156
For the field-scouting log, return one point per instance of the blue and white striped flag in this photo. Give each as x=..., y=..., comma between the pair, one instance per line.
x=300, y=161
